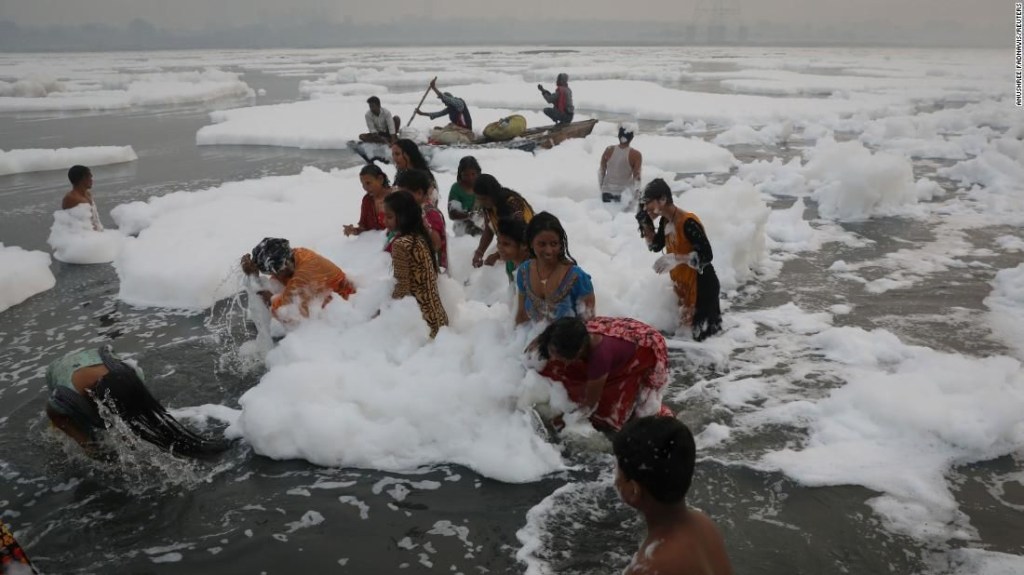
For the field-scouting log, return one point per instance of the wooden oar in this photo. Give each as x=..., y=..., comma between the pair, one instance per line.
x=421, y=102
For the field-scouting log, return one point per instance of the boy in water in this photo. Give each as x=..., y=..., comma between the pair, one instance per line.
x=81, y=193
x=655, y=456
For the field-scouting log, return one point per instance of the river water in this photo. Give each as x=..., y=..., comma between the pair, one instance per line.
x=244, y=513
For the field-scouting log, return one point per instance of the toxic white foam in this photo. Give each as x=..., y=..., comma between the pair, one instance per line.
x=27, y=273
x=74, y=240
x=37, y=160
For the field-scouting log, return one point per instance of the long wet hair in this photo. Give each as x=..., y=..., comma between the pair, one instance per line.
x=409, y=219
x=657, y=189
x=374, y=170
x=547, y=222
x=567, y=336
x=416, y=159
x=467, y=163
x=124, y=392
x=487, y=186
x=513, y=228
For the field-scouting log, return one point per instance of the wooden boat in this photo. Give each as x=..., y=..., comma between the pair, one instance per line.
x=544, y=137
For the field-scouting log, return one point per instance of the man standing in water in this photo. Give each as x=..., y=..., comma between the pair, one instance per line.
x=655, y=457
x=620, y=167
x=380, y=124
x=81, y=193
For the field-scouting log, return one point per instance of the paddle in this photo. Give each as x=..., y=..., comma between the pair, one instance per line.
x=421, y=102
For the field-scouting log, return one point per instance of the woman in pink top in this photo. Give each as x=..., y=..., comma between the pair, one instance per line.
x=613, y=368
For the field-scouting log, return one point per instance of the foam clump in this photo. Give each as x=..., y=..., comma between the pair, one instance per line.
x=851, y=183
x=26, y=274
x=1006, y=305
x=75, y=241
x=38, y=160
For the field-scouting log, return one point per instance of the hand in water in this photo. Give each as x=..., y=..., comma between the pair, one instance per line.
x=669, y=261
x=478, y=260
x=351, y=230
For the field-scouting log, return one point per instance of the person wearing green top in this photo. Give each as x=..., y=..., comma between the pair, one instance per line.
x=461, y=200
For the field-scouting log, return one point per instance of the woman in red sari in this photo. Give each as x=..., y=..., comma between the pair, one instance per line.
x=614, y=368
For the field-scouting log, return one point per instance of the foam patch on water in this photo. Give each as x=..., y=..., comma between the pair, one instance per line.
x=75, y=241
x=1006, y=305
x=114, y=91
x=985, y=562
x=851, y=183
x=38, y=160
x=27, y=273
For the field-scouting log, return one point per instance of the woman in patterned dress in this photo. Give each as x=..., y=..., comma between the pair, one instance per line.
x=414, y=260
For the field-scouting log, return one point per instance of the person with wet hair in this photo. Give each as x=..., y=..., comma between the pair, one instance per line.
x=612, y=368
x=414, y=260
x=407, y=156
x=497, y=202
x=371, y=211
x=81, y=193
x=620, y=167
x=461, y=201
x=305, y=275
x=550, y=283
x=654, y=462
x=417, y=183
x=79, y=380
x=562, y=109
x=687, y=259
x=512, y=246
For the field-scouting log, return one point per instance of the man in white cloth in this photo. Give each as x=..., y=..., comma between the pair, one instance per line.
x=380, y=124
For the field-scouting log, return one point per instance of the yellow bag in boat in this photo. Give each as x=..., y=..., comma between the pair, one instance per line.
x=505, y=129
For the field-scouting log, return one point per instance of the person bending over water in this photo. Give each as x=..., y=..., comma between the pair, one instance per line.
x=79, y=379
x=654, y=458
x=550, y=284
x=414, y=260
x=613, y=368
x=305, y=275
x=687, y=259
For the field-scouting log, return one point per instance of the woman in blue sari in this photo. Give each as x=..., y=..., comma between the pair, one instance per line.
x=550, y=284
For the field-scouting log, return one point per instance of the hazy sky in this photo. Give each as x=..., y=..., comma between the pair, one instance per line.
x=986, y=14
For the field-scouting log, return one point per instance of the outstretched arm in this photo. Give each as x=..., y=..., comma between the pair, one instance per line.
x=604, y=165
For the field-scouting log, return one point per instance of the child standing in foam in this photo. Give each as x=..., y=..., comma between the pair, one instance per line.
x=414, y=261
x=461, y=201
x=655, y=457
x=371, y=212
x=81, y=193
x=417, y=183
x=512, y=246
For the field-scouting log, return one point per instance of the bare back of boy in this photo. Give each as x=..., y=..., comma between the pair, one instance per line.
x=690, y=546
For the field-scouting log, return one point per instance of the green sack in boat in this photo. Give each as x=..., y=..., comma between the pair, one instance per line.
x=505, y=129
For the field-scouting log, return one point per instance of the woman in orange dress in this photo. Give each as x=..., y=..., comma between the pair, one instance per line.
x=305, y=274
x=687, y=259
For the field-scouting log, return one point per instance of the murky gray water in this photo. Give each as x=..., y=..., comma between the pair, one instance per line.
x=243, y=513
